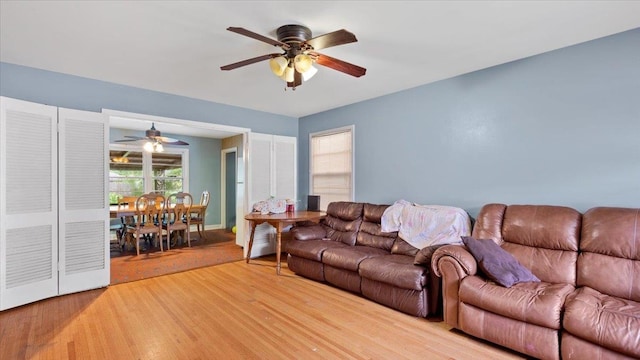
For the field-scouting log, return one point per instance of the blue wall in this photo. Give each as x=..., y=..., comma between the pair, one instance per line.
x=75, y=92
x=559, y=128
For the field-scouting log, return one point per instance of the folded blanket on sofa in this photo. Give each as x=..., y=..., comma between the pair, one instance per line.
x=426, y=225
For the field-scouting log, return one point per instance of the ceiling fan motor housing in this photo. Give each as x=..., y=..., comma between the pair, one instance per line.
x=294, y=36
x=152, y=133
x=293, y=33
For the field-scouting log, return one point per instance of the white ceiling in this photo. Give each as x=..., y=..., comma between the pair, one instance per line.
x=178, y=46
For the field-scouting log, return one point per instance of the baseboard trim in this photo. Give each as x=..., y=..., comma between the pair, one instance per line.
x=208, y=227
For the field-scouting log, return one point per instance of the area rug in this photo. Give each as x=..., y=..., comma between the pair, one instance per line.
x=218, y=248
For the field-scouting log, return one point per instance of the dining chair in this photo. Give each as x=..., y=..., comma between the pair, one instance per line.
x=116, y=226
x=177, y=217
x=149, y=212
x=197, y=217
x=125, y=202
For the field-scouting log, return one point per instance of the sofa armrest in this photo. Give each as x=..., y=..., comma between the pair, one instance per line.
x=312, y=232
x=462, y=259
x=452, y=263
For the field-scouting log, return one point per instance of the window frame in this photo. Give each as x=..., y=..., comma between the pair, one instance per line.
x=334, y=131
x=147, y=163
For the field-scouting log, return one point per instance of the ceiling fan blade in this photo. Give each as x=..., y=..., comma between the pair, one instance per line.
x=131, y=138
x=248, y=61
x=251, y=34
x=176, y=142
x=335, y=38
x=297, y=80
x=170, y=141
x=336, y=64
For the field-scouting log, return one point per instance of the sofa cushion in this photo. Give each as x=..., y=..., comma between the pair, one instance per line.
x=308, y=232
x=343, y=220
x=349, y=257
x=370, y=233
x=608, y=321
x=401, y=247
x=311, y=249
x=499, y=265
x=345, y=210
x=537, y=303
x=610, y=252
x=396, y=270
x=423, y=257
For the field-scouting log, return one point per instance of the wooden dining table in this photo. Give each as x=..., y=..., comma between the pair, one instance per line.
x=279, y=221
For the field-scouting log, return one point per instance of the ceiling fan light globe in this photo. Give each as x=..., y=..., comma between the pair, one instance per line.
x=148, y=146
x=303, y=63
x=278, y=65
x=158, y=147
x=288, y=74
x=307, y=75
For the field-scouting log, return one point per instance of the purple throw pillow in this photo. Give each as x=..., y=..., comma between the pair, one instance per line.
x=496, y=263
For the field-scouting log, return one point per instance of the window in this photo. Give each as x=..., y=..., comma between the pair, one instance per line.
x=133, y=172
x=166, y=170
x=331, y=165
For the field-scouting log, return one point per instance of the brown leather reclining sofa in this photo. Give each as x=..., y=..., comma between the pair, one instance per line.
x=348, y=250
x=587, y=304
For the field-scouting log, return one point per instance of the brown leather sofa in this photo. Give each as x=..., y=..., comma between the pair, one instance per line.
x=587, y=304
x=348, y=250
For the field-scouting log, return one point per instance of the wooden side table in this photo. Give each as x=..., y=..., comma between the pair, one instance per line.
x=279, y=221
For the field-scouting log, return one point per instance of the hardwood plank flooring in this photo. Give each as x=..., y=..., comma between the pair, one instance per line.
x=230, y=311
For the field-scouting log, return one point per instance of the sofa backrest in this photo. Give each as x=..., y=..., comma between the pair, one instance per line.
x=370, y=234
x=543, y=238
x=610, y=252
x=343, y=221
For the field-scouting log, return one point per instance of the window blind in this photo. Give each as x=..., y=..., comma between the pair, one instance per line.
x=332, y=166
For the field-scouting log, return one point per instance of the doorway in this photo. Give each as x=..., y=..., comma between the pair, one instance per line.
x=216, y=231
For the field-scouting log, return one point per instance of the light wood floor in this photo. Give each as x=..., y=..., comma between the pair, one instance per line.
x=230, y=311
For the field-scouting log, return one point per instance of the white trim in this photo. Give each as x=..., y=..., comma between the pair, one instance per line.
x=116, y=115
x=193, y=228
x=223, y=182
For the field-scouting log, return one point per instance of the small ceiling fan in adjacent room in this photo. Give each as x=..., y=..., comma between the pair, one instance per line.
x=154, y=140
x=300, y=52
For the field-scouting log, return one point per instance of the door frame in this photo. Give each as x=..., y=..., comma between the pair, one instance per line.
x=223, y=183
x=141, y=122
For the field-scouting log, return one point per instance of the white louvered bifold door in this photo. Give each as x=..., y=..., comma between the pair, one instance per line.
x=285, y=161
x=83, y=205
x=28, y=202
x=272, y=167
x=258, y=181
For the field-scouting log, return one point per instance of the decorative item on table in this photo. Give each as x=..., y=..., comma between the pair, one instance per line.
x=273, y=206
x=291, y=205
x=277, y=206
x=261, y=207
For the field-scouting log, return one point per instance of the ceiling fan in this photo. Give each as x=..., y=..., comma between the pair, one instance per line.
x=300, y=52
x=154, y=140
